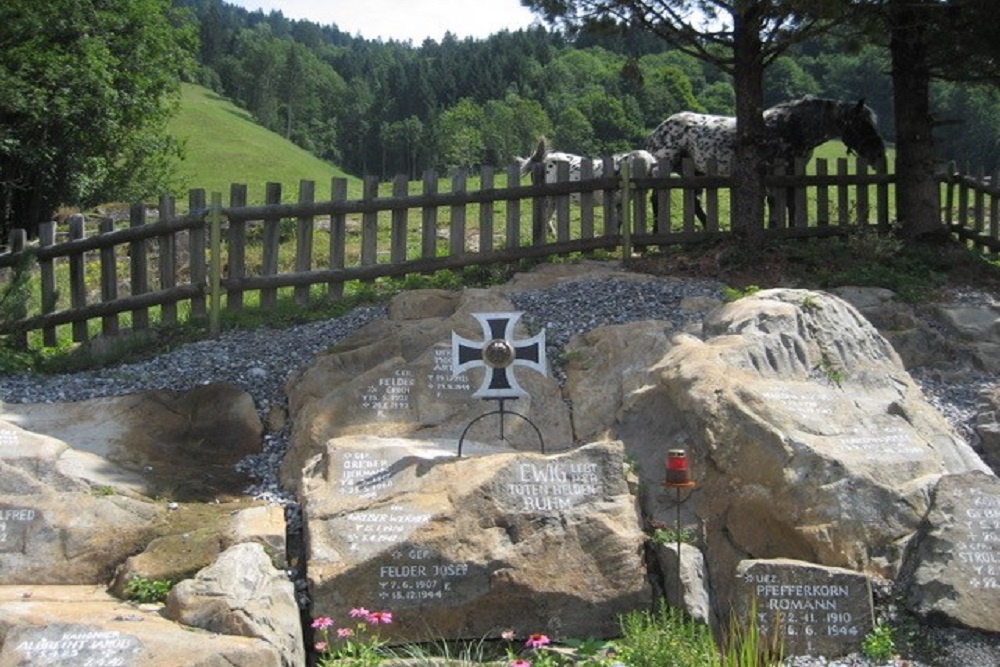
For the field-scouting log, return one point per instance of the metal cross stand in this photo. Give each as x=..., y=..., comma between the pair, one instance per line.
x=498, y=353
x=678, y=477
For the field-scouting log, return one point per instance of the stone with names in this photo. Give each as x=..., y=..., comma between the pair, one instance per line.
x=548, y=486
x=59, y=644
x=85, y=626
x=955, y=563
x=814, y=610
x=450, y=547
x=15, y=523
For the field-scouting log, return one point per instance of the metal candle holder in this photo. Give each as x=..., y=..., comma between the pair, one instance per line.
x=678, y=477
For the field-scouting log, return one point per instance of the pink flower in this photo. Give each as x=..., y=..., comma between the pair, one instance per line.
x=343, y=633
x=536, y=640
x=377, y=617
x=520, y=663
x=322, y=622
x=321, y=647
x=507, y=635
x=359, y=612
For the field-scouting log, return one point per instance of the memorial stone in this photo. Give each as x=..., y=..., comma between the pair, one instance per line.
x=956, y=564
x=14, y=525
x=812, y=609
x=463, y=547
x=61, y=644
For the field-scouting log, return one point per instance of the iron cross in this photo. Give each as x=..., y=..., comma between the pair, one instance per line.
x=498, y=353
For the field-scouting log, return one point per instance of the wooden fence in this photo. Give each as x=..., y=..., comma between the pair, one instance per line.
x=189, y=267
x=972, y=208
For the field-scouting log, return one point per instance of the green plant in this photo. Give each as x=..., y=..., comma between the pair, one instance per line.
x=731, y=294
x=357, y=646
x=833, y=374
x=879, y=644
x=665, y=638
x=745, y=645
x=538, y=650
x=102, y=490
x=810, y=303
x=143, y=590
x=667, y=535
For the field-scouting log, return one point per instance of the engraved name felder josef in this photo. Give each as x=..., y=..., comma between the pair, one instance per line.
x=541, y=485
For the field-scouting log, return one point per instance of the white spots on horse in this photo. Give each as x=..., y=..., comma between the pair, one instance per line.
x=791, y=130
x=552, y=160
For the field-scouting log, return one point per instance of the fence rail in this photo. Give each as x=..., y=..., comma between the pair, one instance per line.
x=140, y=273
x=972, y=208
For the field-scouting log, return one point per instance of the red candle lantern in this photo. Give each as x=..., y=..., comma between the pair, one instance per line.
x=678, y=473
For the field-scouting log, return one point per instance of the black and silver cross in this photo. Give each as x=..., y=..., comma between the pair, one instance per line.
x=498, y=354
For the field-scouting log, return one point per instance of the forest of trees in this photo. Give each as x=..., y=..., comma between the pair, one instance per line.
x=384, y=108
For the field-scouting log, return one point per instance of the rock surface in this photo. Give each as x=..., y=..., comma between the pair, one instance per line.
x=50, y=626
x=242, y=594
x=809, y=439
x=956, y=559
x=465, y=548
x=184, y=446
x=813, y=450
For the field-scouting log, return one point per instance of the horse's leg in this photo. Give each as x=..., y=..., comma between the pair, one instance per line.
x=699, y=210
x=780, y=210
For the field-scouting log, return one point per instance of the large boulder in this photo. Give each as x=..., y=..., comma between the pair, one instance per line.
x=953, y=572
x=988, y=424
x=243, y=594
x=53, y=528
x=808, y=438
x=467, y=547
x=161, y=444
x=393, y=378
x=56, y=626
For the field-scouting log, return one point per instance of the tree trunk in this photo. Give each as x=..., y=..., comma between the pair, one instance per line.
x=748, y=164
x=917, y=195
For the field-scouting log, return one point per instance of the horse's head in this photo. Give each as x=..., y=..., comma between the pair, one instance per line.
x=859, y=132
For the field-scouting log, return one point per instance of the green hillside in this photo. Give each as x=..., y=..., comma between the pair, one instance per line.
x=223, y=145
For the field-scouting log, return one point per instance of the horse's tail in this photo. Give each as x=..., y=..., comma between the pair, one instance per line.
x=540, y=152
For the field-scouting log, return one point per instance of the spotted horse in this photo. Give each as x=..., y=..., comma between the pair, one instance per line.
x=553, y=159
x=792, y=130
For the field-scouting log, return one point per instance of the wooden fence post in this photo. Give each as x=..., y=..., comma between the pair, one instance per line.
x=47, y=271
x=456, y=226
x=19, y=243
x=139, y=282
x=428, y=217
x=513, y=234
x=196, y=258
x=304, y=240
x=397, y=243
x=369, y=225
x=236, y=248
x=109, y=280
x=272, y=243
x=539, y=207
x=626, y=212
x=168, y=262
x=338, y=237
x=77, y=276
x=214, y=220
x=485, y=211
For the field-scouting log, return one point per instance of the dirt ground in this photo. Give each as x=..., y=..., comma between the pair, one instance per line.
x=819, y=264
